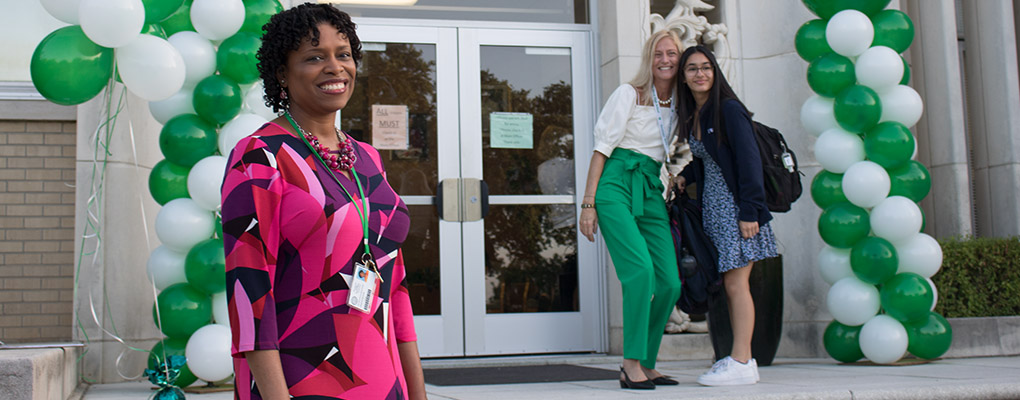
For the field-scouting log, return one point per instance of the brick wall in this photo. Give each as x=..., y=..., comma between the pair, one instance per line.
x=37, y=160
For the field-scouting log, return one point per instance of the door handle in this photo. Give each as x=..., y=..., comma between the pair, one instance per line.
x=462, y=200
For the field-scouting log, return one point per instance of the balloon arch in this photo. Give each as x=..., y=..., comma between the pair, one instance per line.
x=876, y=258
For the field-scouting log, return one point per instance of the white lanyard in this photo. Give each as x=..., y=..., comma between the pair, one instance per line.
x=663, y=130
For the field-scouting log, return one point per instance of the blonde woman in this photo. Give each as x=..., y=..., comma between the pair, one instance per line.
x=623, y=196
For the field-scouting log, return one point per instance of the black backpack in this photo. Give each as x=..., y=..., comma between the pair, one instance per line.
x=779, y=167
x=696, y=256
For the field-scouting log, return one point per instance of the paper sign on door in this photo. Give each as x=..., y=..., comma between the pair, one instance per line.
x=511, y=130
x=389, y=127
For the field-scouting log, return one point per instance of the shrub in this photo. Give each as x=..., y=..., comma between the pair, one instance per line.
x=980, y=277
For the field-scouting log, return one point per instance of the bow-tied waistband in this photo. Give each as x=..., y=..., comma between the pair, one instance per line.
x=644, y=178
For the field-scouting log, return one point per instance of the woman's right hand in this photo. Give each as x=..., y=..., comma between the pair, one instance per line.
x=589, y=223
x=679, y=181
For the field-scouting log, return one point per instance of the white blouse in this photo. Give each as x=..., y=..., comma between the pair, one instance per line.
x=625, y=124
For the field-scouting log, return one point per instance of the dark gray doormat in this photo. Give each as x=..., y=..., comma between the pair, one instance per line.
x=516, y=374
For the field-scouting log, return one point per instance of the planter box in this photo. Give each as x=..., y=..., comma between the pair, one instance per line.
x=984, y=336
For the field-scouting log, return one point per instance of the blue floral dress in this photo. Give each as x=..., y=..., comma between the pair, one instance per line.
x=719, y=216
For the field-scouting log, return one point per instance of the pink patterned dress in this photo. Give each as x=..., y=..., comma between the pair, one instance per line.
x=291, y=236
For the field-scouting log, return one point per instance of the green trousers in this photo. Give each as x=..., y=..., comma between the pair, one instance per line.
x=635, y=225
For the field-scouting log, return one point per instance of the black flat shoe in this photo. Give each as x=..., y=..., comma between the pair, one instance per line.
x=626, y=383
x=664, y=381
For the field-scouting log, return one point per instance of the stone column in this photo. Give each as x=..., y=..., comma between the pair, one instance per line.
x=113, y=290
x=941, y=133
x=993, y=94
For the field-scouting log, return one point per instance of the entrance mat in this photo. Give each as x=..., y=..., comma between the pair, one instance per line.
x=516, y=374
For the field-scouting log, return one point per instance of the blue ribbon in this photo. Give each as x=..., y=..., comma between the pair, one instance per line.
x=165, y=376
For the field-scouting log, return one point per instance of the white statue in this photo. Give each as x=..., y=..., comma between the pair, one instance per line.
x=694, y=29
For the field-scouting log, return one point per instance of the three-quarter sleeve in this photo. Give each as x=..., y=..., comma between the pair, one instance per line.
x=251, y=194
x=612, y=123
x=400, y=300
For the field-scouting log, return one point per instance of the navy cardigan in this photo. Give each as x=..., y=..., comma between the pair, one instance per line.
x=738, y=159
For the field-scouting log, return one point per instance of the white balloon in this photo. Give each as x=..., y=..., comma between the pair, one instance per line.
x=217, y=19
x=208, y=353
x=111, y=23
x=64, y=10
x=852, y=301
x=151, y=68
x=166, y=267
x=198, y=53
x=817, y=115
x=866, y=184
x=896, y=218
x=934, y=293
x=836, y=150
x=920, y=254
x=204, y=181
x=254, y=102
x=883, y=340
x=834, y=264
x=849, y=33
x=902, y=104
x=237, y=129
x=179, y=103
x=182, y=223
x=219, y=308
x=879, y=68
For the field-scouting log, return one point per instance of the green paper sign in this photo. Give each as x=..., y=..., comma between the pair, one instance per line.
x=510, y=130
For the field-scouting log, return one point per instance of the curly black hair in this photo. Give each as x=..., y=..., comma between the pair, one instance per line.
x=284, y=33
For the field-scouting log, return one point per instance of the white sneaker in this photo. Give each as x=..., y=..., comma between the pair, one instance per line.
x=754, y=364
x=730, y=372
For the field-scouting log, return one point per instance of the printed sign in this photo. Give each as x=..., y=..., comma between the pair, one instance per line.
x=389, y=127
x=510, y=130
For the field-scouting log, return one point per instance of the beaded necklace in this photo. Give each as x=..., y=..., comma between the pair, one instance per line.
x=340, y=160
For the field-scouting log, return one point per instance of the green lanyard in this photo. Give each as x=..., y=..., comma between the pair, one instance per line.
x=364, y=201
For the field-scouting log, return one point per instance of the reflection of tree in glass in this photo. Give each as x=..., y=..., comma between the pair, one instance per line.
x=404, y=74
x=531, y=260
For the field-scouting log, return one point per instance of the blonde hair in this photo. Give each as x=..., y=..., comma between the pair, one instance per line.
x=643, y=80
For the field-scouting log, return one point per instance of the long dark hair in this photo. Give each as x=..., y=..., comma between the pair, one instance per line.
x=719, y=93
x=284, y=33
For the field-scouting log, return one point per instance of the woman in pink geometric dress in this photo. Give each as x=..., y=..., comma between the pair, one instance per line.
x=297, y=196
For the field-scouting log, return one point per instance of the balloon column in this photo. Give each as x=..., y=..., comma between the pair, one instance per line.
x=194, y=61
x=876, y=259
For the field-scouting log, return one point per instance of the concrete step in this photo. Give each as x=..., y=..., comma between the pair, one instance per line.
x=41, y=371
x=686, y=346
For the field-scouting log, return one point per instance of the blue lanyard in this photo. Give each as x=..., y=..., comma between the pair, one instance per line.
x=663, y=131
x=364, y=200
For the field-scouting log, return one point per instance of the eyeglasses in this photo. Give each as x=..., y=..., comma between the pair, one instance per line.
x=706, y=70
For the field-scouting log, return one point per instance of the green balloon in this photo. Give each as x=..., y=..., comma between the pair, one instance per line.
x=186, y=139
x=182, y=310
x=843, y=224
x=842, y=342
x=205, y=266
x=810, y=40
x=890, y=144
x=907, y=297
x=67, y=68
x=235, y=58
x=257, y=13
x=906, y=72
x=827, y=189
x=893, y=29
x=168, y=181
x=830, y=74
x=172, y=347
x=154, y=30
x=873, y=260
x=179, y=20
x=825, y=9
x=158, y=10
x=930, y=337
x=217, y=99
x=910, y=180
x=857, y=108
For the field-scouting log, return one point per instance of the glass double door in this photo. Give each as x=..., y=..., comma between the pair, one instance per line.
x=494, y=119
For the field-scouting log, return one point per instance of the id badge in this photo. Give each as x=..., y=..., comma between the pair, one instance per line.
x=362, y=290
x=788, y=161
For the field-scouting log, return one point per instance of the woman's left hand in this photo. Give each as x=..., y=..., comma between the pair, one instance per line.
x=748, y=229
